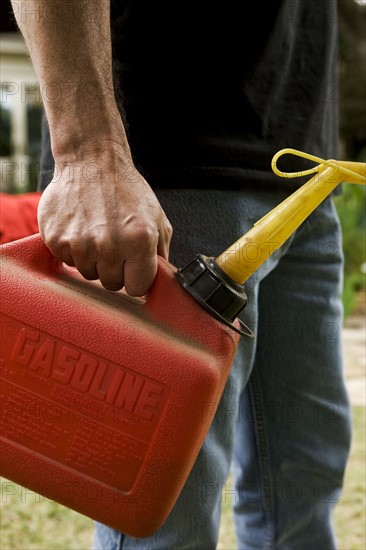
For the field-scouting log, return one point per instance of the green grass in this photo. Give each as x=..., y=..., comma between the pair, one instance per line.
x=350, y=521
x=29, y=522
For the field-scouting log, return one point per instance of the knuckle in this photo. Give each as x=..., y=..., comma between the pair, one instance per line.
x=50, y=237
x=145, y=233
x=53, y=243
x=141, y=238
x=91, y=251
x=169, y=228
x=62, y=247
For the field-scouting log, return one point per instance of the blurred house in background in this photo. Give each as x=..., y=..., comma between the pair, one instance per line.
x=20, y=110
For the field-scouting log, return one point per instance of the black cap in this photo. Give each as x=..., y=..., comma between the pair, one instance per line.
x=215, y=291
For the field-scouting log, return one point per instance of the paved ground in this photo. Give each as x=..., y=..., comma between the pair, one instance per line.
x=354, y=351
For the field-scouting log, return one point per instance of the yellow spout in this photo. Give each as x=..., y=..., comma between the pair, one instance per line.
x=248, y=253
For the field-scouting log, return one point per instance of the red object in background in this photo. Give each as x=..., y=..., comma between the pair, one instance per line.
x=18, y=216
x=106, y=400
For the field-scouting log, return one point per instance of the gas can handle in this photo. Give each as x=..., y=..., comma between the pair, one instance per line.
x=32, y=254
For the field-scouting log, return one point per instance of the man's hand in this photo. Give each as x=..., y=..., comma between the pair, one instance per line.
x=100, y=215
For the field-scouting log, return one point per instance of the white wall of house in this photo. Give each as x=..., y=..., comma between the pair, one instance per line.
x=20, y=102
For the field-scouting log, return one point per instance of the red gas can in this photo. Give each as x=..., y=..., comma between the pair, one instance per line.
x=105, y=399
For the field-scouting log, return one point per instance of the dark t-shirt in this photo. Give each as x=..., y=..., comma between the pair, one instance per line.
x=213, y=90
x=210, y=91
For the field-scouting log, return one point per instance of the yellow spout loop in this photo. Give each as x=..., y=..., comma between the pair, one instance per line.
x=249, y=252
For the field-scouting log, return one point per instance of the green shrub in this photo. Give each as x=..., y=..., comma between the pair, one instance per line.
x=352, y=213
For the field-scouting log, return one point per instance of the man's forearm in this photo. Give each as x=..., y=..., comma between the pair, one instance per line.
x=70, y=46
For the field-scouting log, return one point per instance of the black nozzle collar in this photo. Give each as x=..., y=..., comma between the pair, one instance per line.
x=215, y=291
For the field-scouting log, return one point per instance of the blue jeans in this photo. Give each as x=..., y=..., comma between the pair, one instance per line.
x=284, y=419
